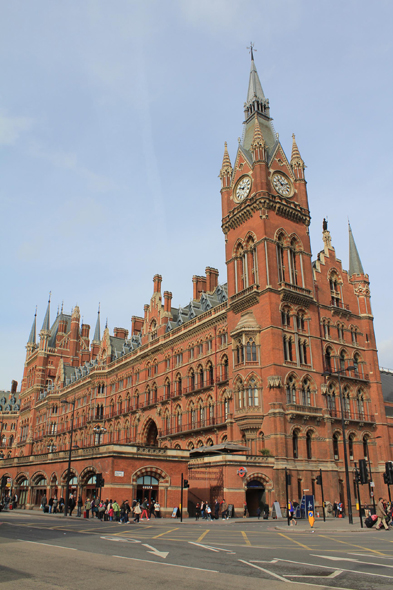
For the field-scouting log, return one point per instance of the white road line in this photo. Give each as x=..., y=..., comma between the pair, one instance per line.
x=205, y=547
x=353, y=560
x=47, y=545
x=267, y=571
x=373, y=556
x=120, y=539
x=331, y=567
x=187, y=567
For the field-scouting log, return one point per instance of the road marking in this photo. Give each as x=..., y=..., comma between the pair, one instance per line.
x=332, y=558
x=154, y=551
x=266, y=571
x=120, y=540
x=187, y=567
x=166, y=532
x=332, y=575
x=246, y=538
x=203, y=535
x=293, y=541
x=331, y=567
x=47, y=545
x=352, y=545
x=373, y=556
x=210, y=548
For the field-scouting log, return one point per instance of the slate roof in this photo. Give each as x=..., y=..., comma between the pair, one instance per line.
x=9, y=402
x=55, y=328
x=355, y=264
x=195, y=308
x=387, y=385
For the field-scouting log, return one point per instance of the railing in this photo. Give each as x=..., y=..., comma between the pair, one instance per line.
x=244, y=292
x=295, y=288
x=345, y=374
x=304, y=409
x=356, y=416
x=337, y=303
x=190, y=426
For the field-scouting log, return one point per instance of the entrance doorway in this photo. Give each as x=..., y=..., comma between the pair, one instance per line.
x=152, y=434
x=21, y=491
x=147, y=487
x=39, y=491
x=255, y=497
x=91, y=488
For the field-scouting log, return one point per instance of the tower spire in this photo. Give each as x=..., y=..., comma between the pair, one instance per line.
x=33, y=331
x=46, y=322
x=226, y=169
x=296, y=160
x=97, y=331
x=355, y=264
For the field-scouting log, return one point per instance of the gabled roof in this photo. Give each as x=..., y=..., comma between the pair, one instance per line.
x=55, y=328
x=181, y=315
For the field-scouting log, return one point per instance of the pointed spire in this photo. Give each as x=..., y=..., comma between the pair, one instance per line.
x=226, y=168
x=258, y=143
x=46, y=322
x=296, y=159
x=97, y=331
x=33, y=331
x=355, y=264
x=254, y=84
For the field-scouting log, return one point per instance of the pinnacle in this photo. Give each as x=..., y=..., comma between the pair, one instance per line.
x=257, y=140
x=226, y=168
x=296, y=159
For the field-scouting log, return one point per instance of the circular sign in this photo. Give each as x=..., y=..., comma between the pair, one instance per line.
x=242, y=471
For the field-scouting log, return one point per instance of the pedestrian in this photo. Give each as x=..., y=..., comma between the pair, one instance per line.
x=71, y=504
x=111, y=512
x=79, y=506
x=216, y=508
x=157, y=509
x=137, y=512
x=116, y=510
x=145, y=507
x=291, y=510
x=122, y=513
x=197, y=511
x=208, y=512
x=335, y=509
x=381, y=520
x=203, y=506
x=101, y=510
x=259, y=512
x=43, y=502
x=15, y=501
x=50, y=505
x=245, y=510
x=87, y=507
x=224, y=510
x=151, y=510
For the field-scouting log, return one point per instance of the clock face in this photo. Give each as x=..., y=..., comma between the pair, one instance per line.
x=282, y=185
x=243, y=188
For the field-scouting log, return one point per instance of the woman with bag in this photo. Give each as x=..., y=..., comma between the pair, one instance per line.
x=137, y=512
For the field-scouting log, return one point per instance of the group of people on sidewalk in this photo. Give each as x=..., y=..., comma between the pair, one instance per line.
x=205, y=511
x=384, y=513
x=108, y=510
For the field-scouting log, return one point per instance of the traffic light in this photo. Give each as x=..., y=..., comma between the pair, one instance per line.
x=318, y=480
x=389, y=472
x=363, y=471
x=386, y=479
x=3, y=481
x=100, y=482
x=289, y=479
x=186, y=484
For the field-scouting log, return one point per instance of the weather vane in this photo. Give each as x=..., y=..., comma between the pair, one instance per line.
x=252, y=49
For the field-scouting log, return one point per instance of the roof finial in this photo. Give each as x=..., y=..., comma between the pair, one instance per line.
x=251, y=50
x=62, y=306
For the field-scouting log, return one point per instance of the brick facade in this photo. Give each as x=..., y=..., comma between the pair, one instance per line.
x=244, y=362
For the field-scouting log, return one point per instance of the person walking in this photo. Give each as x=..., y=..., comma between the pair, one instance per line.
x=381, y=520
x=50, y=505
x=157, y=509
x=137, y=512
x=116, y=509
x=87, y=507
x=291, y=510
x=197, y=511
x=71, y=504
x=145, y=507
x=224, y=510
x=43, y=503
x=216, y=508
x=245, y=510
x=79, y=506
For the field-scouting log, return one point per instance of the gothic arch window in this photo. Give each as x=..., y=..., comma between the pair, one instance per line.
x=251, y=350
x=191, y=379
x=326, y=328
x=328, y=359
x=334, y=283
x=178, y=384
x=350, y=446
x=167, y=388
x=241, y=270
x=280, y=258
x=331, y=398
x=153, y=330
x=365, y=446
x=335, y=446
x=201, y=412
x=178, y=418
x=239, y=352
x=340, y=331
x=342, y=360
x=200, y=377
x=356, y=361
x=309, y=444
x=291, y=390
x=360, y=404
x=347, y=403
x=210, y=409
x=210, y=373
x=288, y=348
x=192, y=415
x=253, y=396
x=240, y=394
x=224, y=366
x=302, y=347
x=306, y=393
x=292, y=261
x=354, y=335
x=295, y=444
x=286, y=317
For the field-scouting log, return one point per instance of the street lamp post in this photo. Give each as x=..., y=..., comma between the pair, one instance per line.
x=349, y=499
x=69, y=456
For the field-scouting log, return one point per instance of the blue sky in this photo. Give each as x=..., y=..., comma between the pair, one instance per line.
x=113, y=117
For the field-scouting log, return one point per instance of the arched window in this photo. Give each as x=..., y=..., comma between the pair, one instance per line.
x=335, y=446
x=350, y=446
x=192, y=379
x=225, y=368
x=292, y=260
x=340, y=332
x=356, y=359
x=192, y=416
x=309, y=444
x=280, y=259
x=167, y=388
x=178, y=384
x=328, y=360
x=210, y=407
x=306, y=393
x=365, y=446
x=347, y=403
x=334, y=289
x=210, y=374
x=302, y=346
x=291, y=391
x=226, y=409
x=239, y=352
x=253, y=398
x=200, y=377
x=288, y=350
x=300, y=321
x=240, y=395
x=286, y=317
x=251, y=350
x=360, y=404
x=295, y=444
x=201, y=414
x=331, y=398
x=342, y=360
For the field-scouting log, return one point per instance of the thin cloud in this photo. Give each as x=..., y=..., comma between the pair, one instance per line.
x=11, y=128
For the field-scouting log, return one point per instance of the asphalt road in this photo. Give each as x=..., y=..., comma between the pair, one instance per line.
x=51, y=551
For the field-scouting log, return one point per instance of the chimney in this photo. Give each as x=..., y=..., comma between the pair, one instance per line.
x=120, y=333
x=211, y=279
x=14, y=386
x=157, y=280
x=85, y=330
x=136, y=325
x=199, y=286
x=168, y=301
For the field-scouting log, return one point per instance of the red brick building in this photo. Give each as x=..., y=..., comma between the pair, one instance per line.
x=243, y=362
